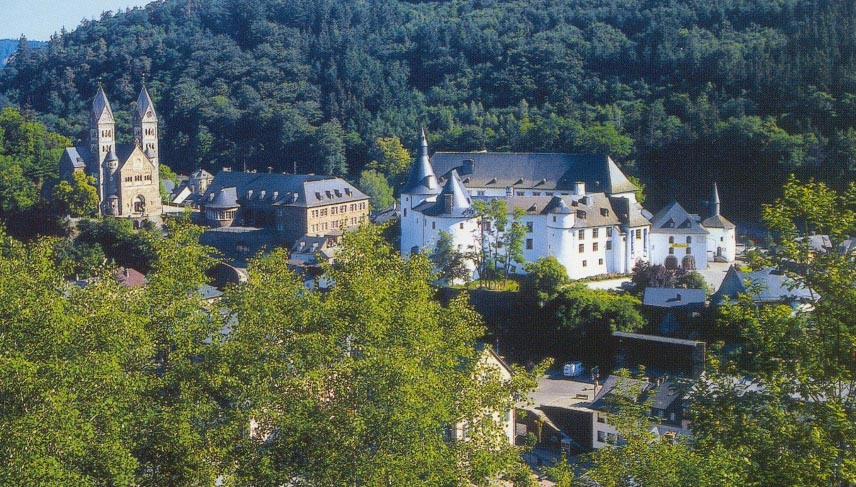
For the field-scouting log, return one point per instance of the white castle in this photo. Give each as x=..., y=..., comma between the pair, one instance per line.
x=580, y=209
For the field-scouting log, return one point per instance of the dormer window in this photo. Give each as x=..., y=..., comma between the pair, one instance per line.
x=262, y=194
x=275, y=195
x=604, y=212
x=249, y=193
x=348, y=191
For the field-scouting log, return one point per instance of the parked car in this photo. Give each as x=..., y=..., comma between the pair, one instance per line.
x=572, y=369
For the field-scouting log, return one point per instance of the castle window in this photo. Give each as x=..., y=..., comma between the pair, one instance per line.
x=433, y=225
x=689, y=240
x=594, y=233
x=529, y=226
x=594, y=247
x=609, y=245
x=582, y=234
x=585, y=263
x=689, y=250
x=671, y=240
x=528, y=244
x=638, y=234
x=405, y=212
x=582, y=248
x=609, y=232
x=461, y=225
x=671, y=250
x=599, y=261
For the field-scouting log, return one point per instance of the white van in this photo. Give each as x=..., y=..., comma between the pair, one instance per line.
x=572, y=369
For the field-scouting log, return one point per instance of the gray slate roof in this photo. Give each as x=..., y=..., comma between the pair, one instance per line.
x=675, y=219
x=101, y=106
x=454, y=190
x=422, y=179
x=717, y=221
x=630, y=213
x=774, y=286
x=666, y=297
x=144, y=104
x=225, y=198
x=538, y=171
x=299, y=190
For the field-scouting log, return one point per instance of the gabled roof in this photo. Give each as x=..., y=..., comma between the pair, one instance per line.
x=666, y=394
x=664, y=297
x=201, y=174
x=624, y=387
x=534, y=171
x=145, y=105
x=77, y=155
x=675, y=219
x=129, y=277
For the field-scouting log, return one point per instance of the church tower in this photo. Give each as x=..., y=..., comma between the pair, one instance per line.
x=101, y=127
x=102, y=140
x=146, y=126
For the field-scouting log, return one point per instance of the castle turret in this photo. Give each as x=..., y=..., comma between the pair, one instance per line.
x=422, y=180
x=146, y=126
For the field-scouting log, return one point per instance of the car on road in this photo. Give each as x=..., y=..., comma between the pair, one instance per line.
x=572, y=369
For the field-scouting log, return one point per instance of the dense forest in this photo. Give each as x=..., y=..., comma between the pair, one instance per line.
x=678, y=92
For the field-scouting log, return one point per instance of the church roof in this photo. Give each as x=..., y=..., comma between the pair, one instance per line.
x=536, y=171
x=101, y=106
x=300, y=190
x=145, y=104
x=675, y=219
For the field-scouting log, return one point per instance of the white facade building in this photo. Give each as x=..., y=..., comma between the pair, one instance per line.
x=581, y=209
x=681, y=239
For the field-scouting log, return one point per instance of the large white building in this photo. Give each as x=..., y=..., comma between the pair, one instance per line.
x=581, y=209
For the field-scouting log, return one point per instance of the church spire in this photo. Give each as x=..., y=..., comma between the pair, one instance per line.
x=715, y=202
x=101, y=110
x=145, y=120
x=422, y=179
x=145, y=105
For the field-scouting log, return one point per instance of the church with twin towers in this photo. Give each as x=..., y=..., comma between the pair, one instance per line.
x=126, y=175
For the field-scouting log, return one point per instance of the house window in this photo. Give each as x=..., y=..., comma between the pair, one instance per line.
x=585, y=263
x=671, y=240
x=594, y=232
x=689, y=240
x=582, y=234
x=594, y=247
x=609, y=245
x=529, y=226
x=582, y=248
x=528, y=244
x=601, y=436
x=601, y=419
x=609, y=232
x=536, y=193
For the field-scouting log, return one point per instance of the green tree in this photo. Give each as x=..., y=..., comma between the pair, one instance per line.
x=77, y=198
x=357, y=385
x=329, y=148
x=389, y=157
x=375, y=185
x=17, y=192
x=543, y=280
x=449, y=261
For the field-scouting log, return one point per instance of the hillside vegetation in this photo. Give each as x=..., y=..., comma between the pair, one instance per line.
x=679, y=92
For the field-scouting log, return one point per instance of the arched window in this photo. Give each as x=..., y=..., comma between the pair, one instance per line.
x=671, y=240
x=689, y=239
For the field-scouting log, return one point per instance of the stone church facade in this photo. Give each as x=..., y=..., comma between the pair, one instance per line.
x=126, y=175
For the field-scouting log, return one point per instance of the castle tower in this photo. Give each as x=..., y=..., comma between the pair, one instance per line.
x=102, y=141
x=421, y=186
x=146, y=126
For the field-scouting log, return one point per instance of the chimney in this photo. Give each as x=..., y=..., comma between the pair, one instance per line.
x=580, y=188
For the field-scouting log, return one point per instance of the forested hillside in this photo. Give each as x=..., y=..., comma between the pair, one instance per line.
x=9, y=46
x=679, y=92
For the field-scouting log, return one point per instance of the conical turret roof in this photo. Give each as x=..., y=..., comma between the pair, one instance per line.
x=716, y=220
x=422, y=179
x=453, y=200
